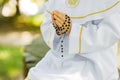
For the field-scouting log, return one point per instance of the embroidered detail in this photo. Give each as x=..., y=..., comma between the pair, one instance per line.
x=80, y=40
x=27, y=79
x=50, y=36
x=94, y=13
x=97, y=12
x=72, y=3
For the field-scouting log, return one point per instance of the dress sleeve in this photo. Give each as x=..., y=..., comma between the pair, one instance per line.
x=90, y=38
x=47, y=30
x=43, y=7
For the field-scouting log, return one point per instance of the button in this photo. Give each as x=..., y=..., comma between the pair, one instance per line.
x=61, y=41
x=61, y=55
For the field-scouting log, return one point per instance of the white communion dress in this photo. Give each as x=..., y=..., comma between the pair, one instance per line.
x=89, y=51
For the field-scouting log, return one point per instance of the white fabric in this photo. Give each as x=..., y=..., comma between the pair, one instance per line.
x=96, y=37
x=43, y=8
x=84, y=8
x=107, y=34
x=74, y=38
x=97, y=60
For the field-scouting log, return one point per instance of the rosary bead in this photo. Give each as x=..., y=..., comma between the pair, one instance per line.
x=61, y=55
x=65, y=26
x=66, y=16
x=68, y=22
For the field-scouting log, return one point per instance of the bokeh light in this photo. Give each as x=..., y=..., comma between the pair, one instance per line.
x=28, y=7
x=9, y=9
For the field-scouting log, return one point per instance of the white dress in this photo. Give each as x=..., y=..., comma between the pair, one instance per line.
x=88, y=53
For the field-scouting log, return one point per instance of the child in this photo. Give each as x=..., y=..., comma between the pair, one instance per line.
x=82, y=36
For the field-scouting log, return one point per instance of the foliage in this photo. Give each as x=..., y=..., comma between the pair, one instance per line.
x=2, y=2
x=10, y=62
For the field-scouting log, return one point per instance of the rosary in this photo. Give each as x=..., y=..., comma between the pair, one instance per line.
x=65, y=26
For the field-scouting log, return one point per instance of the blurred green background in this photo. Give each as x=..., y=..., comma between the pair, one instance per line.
x=20, y=22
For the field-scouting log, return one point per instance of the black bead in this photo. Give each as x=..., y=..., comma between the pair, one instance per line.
x=53, y=23
x=63, y=25
x=61, y=55
x=61, y=45
x=61, y=41
x=65, y=32
x=66, y=16
x=69, y=22
x=56, y=27
x=62, y=51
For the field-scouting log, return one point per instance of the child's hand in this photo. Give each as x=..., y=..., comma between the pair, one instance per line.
x=61, y=22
